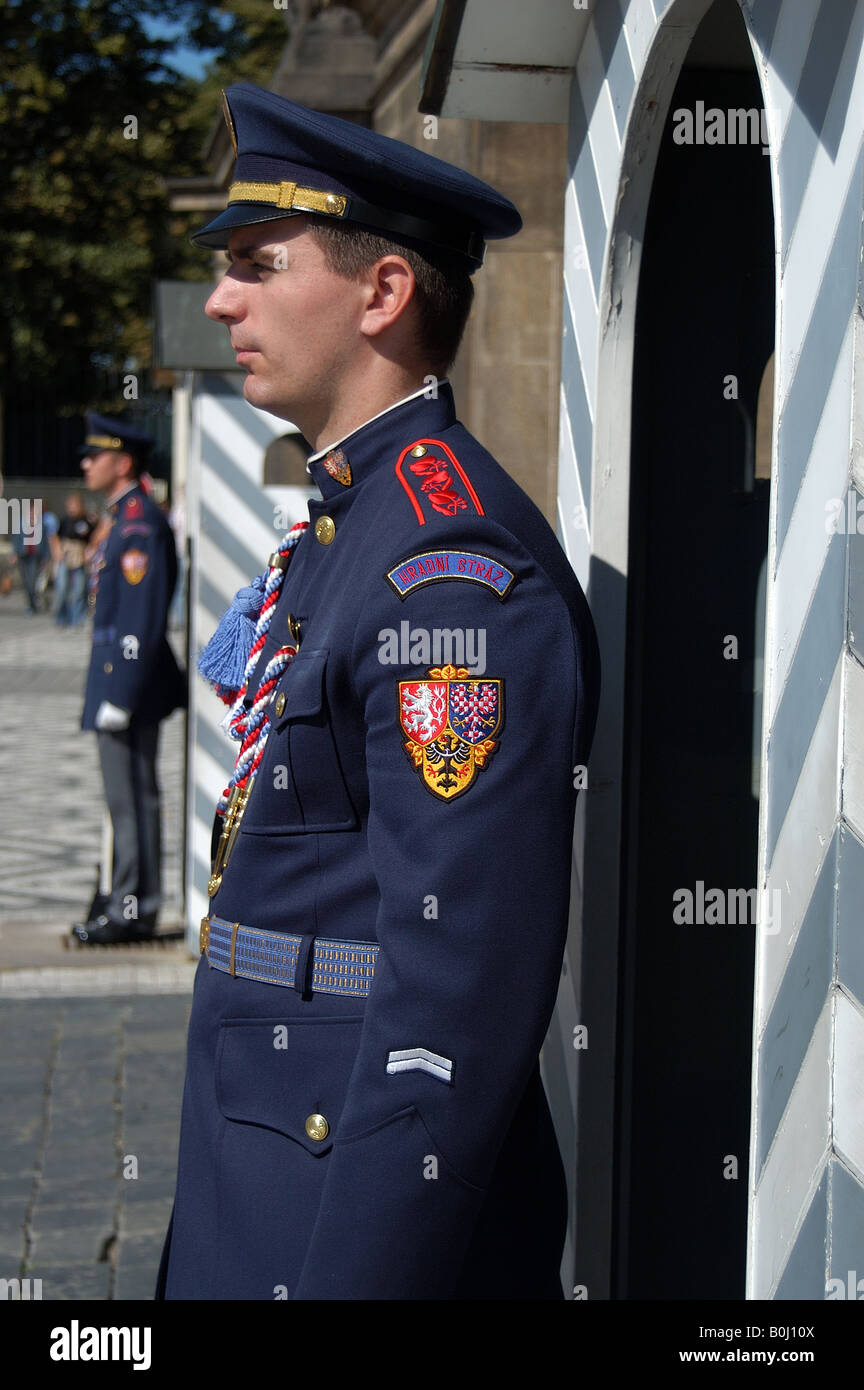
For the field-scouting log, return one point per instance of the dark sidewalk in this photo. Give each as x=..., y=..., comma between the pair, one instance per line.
x=92, y=1041
x=91, y=1096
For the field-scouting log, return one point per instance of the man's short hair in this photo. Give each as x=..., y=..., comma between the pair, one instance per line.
x=443, y=294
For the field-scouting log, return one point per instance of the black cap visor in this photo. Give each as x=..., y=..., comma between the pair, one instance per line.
x=86, y=449
x=214, y=236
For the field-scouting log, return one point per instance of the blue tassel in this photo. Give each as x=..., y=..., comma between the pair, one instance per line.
x=223, y=660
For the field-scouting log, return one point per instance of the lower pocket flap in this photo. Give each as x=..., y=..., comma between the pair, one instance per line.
x=287, y=1074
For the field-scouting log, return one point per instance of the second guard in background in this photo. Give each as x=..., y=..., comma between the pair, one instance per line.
x=134, y=681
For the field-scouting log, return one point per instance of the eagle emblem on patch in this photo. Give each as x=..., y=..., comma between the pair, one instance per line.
x=134, y=565
x=337, y=465
x=451, y=722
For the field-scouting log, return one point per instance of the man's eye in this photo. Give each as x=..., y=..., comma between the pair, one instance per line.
x=261, y=265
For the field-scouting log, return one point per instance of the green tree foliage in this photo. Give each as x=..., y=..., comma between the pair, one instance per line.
x=92, y=118
x=247, y=51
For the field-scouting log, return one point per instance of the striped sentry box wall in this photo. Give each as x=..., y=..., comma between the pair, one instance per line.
x=235, y=522
x=807, y=1159
x=807, y=1156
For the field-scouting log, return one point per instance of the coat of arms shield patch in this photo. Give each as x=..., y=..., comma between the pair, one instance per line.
x=451, y=722
x=134, y=564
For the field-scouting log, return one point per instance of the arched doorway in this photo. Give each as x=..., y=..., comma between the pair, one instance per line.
x=698, y=534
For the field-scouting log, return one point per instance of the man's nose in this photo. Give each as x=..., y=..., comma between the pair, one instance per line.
x=224, y=302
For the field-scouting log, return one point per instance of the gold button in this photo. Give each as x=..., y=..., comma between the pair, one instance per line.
x=108, y=668
x=418, y=451
x=317, y=1127
x=294, y=627
x=333, y=203
x=280, y=703
x=324, y=530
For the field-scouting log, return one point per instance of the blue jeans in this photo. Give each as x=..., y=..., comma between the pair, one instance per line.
x=71, y=595
x=29, y=566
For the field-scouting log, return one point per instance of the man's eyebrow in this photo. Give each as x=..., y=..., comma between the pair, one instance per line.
x=247, y=251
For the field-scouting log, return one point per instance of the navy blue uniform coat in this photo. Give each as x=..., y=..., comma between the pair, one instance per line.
x=131, y=664
x=439, y=1184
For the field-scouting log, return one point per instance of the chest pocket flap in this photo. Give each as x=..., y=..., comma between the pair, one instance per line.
x=300, y=787
x=303, y=688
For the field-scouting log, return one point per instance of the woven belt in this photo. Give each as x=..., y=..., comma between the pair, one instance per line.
x=298, y=962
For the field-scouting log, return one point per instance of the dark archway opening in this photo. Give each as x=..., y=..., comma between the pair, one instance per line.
x=699, y=534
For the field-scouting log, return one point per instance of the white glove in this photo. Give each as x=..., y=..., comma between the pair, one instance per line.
x=111, y=719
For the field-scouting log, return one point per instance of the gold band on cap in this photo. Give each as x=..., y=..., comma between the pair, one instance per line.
x=103, y=441
x=288, y=195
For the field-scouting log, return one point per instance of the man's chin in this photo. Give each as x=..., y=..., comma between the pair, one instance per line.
x=256, y=392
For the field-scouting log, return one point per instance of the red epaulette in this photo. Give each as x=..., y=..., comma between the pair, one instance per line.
x=425, y=469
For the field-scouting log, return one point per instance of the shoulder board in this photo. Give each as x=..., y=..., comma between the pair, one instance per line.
x=435, y=481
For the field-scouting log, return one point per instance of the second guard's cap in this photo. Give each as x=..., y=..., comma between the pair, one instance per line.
x=293, y=160
x=106, y=432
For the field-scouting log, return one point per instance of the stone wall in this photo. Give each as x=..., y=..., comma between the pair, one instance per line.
x=507, y=373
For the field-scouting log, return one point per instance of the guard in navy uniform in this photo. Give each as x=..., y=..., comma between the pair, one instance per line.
x=134, y=681
x=416, y=681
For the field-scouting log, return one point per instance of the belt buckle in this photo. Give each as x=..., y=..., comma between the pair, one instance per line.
x=204, y=935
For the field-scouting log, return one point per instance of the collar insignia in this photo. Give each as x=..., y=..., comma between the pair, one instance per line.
x=337, y=465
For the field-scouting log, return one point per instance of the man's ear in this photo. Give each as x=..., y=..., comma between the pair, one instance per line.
x=391, y=285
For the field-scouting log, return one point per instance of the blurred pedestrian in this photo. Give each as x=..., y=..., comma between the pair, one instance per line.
x=73, y=534
x=32, y=550
x=134, y=681
x=47, y=580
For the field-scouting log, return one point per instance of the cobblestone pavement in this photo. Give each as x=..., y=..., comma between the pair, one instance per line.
x=92, y=1041
x=88, y=1142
